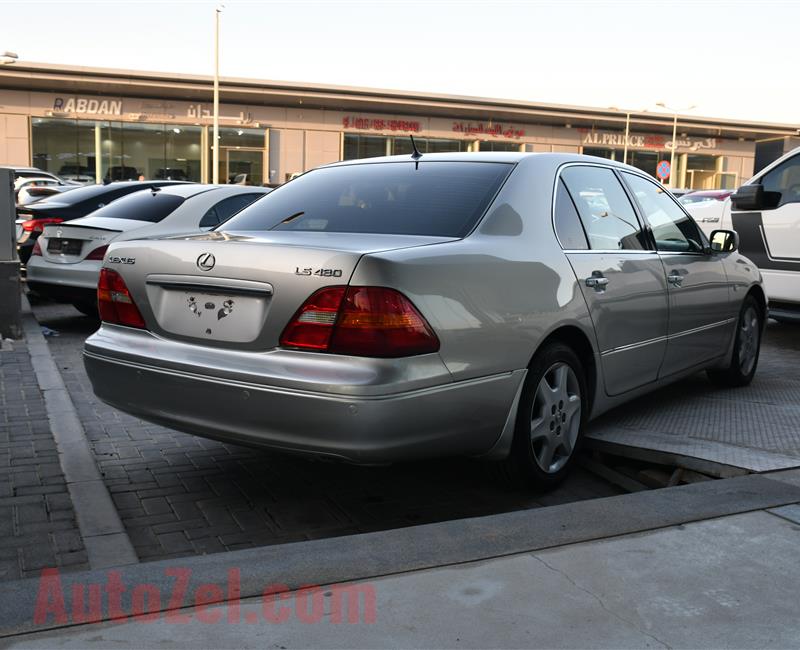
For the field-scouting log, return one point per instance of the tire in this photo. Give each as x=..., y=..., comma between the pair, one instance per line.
x=550, y=421
x=87, y=309
x=746, y=347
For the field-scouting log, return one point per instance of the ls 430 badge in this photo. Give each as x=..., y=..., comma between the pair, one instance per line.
x=323, y=273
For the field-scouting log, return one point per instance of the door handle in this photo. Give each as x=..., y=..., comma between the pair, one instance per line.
x=597, y=281
x=675, y=279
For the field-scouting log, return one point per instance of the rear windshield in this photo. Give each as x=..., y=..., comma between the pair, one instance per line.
x=434, y=198
x=143, y=205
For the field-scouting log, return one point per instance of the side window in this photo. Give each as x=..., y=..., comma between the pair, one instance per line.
x=785, y=178
x=210, y=218
x=226, y=208
x=605, y=211
x=673, y=230
x=568, y=223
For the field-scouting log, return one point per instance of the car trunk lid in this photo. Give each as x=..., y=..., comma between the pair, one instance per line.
x=73, y=241
x=239, y=289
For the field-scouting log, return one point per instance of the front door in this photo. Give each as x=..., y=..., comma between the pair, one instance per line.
x=771, y=237
x=700, y=321
x=622, y=280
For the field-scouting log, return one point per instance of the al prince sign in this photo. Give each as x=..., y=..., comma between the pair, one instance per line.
x=593, y=138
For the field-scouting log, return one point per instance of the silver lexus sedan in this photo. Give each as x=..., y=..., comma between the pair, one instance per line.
x=404, y=307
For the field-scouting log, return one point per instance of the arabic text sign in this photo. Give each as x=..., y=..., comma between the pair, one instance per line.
x=492, y=129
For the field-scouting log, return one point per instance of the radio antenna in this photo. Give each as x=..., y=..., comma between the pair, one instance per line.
x=416, y=155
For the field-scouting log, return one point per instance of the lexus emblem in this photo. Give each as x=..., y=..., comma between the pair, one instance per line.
x=59, y=232
x=206, y=262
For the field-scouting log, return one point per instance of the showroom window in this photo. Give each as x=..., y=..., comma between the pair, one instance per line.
x=491, y=145
x=92, y=151
x=364, y=146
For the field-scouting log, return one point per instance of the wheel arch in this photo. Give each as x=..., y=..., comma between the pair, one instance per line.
x=757, y=291
x=578, y=341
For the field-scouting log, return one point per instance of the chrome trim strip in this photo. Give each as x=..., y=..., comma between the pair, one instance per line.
x=661, y=339
x=696, y=330
x=633, y=346
x=198, y=283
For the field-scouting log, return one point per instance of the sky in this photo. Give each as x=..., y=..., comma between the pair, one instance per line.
x=729, y=59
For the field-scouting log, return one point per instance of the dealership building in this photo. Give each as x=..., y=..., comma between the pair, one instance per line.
x=97, y=124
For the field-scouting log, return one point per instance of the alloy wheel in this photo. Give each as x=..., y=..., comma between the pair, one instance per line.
x=749, y=335
x=555, y=417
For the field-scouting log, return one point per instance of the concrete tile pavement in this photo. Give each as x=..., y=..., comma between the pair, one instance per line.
x=180, y=495
x=37, y=519
x=727, y=582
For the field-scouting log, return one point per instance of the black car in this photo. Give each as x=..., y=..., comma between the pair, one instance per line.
x=31, y=219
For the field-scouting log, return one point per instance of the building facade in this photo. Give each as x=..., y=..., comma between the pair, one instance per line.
x=97, y=125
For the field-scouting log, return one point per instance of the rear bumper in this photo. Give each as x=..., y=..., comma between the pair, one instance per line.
x=340, y=414
x=64, y=282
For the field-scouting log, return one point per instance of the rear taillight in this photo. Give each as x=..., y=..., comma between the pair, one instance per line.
x=37, y=249
x=37, y=225
x=98, y=253
x=361, y=321
x=114, y=301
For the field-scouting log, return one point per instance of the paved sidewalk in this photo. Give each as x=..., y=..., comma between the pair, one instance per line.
x=728, y=582
x=37, y=520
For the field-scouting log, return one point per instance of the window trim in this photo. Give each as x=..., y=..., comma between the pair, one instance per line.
x=614, y=170
x=643, y=217
x=769, y=170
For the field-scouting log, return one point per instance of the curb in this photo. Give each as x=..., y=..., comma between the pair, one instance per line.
x=104, y=536
x=367, y=556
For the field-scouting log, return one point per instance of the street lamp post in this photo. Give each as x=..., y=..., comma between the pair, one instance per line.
x=627, y=130
x=674, y=135
x=215, y=128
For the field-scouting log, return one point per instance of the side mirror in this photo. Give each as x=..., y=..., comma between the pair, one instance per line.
x=753, y=197
x=748, y=197
x=724, y=241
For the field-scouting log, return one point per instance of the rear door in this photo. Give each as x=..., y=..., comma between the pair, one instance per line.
x=622, y=279
x=700, y=318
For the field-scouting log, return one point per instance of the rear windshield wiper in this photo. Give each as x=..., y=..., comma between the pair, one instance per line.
x=291, y=217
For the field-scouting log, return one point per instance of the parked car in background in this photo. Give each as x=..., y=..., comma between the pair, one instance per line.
x=78, y=202
x=81, y=174
x=680, y=191
x=484, y=304
x=121, y=173
x=706, y=207
x=173, y=174
x=21, y=184
x=32, y=172
x=66, y=259
x=35, y=191
x=765, y=211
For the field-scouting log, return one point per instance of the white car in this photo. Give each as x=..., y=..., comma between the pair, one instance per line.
x=66, y=260
x=706, y=206
x=765, y=212
x=29, y=190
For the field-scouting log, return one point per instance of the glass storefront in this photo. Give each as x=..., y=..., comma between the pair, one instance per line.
x=369, y=146
x=96, y=151
x=241, y=156
x=492, y=145
x=647, y=161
